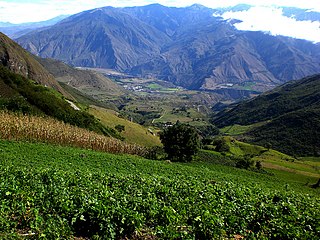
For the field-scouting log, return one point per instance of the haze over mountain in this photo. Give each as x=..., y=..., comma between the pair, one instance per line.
x=187, y=46
x=18, y=30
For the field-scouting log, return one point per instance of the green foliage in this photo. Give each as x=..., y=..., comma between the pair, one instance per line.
x=287, y=117
x=51, y=192
x=155, y=153
x=18, y=104
x=209, y=156
x=119, y=128
x=35, y=98
x=245, y=162
x=295, y=95
x=206, y=141
x=221, y=144
x=296, y=134
x=180, y=142
x=207, y=131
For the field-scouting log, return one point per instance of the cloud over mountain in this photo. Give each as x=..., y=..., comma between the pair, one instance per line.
x=273, y=21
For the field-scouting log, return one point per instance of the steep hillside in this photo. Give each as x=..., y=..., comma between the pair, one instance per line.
x=104, y=37
x=187, y=46
x=25, y=96
x=89, y=82
x=21, y=62
x=296, y=133
x=290, y=113
x=132, y=132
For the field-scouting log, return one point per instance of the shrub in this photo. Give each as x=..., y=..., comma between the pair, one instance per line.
x=119, y=128
x=221, y=145
x=245, y=162
x=155, y=153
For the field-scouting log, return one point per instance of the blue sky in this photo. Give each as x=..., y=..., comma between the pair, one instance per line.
x=258, y=18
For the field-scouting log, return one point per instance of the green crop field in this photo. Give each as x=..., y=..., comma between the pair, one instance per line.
x=51, y=192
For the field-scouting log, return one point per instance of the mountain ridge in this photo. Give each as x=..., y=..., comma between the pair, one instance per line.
x=187, y=46
x=287, y=117
x=19, y=61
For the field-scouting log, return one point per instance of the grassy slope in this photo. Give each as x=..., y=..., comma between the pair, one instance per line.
x=134, y=133
x=237, y=129
x=61, y=192
x=274, y=160
x=290, y=97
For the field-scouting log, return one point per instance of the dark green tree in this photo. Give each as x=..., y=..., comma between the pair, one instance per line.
x=119, y=128
x=180, y=142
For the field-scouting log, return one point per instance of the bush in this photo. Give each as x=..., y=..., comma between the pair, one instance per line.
x=180, y=142
x=221, y=145
x=155, y=153
x=119, y=128
x=206, y=141
x=245, y=162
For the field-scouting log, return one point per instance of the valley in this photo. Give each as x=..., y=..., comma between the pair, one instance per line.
x=156, y=122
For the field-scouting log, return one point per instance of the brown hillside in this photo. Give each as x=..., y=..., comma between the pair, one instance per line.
x=21, y=62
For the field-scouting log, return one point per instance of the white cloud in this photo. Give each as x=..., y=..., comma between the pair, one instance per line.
x=307, y=4
x=271, y=20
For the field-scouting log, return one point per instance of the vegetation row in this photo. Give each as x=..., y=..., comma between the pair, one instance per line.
x=48, y=130
x=53, y=192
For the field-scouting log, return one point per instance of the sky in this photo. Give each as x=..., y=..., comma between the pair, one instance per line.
x=258, y=18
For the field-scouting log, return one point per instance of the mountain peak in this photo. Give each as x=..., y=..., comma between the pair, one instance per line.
x=197, y=6
x=155, y=5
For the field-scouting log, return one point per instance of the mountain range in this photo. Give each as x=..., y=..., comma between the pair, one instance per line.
x=191, y=47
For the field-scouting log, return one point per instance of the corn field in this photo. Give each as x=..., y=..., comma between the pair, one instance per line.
x=48, y=130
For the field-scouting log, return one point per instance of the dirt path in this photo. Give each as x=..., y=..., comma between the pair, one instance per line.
x=73, y=105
